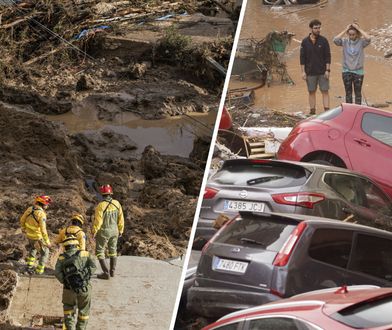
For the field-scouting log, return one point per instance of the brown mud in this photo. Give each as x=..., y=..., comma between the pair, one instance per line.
x=145, y=65
x=295, y=19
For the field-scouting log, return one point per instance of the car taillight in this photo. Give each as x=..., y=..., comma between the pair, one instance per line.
x=209, y=193
x=282, y=258
x=205, y=247
x=303, y=199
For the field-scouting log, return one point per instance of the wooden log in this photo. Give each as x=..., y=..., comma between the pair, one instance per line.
x=41, y=57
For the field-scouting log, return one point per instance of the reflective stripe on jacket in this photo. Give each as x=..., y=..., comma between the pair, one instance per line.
x=33, y=221
x=109, y=217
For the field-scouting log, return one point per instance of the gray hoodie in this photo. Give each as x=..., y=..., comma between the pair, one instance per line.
x=353, y=53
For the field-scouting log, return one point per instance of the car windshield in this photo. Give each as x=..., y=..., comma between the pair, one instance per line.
x=375, y=313
x=269, y=234
x=269, y=175
x=330, y=114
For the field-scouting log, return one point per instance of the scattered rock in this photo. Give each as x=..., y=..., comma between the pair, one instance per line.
x=137, y=71
x=85, y=82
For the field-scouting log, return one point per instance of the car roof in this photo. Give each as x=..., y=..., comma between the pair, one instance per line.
x=337, y=299
x=356, y=107
x=315, y=220
x=329, y=301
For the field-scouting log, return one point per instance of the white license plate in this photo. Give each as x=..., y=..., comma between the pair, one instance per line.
x=243, y=206
x=232, y=266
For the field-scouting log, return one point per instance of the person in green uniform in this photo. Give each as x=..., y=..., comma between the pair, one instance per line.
x=74, y=269
x=108, y=226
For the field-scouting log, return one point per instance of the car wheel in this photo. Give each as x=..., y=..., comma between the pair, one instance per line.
x=325, y=158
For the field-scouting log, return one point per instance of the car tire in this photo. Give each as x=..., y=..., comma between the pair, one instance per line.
x=325, y=158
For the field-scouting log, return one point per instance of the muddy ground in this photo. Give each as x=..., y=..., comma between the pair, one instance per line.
x=152, y=68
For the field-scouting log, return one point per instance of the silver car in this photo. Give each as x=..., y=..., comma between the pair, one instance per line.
x=291, y=187
x=259, y=258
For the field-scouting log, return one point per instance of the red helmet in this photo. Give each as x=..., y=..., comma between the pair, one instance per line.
x=106, y=189
x=43, y=199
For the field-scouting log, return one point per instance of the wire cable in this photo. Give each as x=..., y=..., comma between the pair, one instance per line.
x=51, y=32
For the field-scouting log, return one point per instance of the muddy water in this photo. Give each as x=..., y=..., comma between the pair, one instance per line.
x=172, y=136
x=334, y=15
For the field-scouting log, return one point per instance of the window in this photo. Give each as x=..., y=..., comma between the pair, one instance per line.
x=375, y=197
x=332, y=246
x=347, y=186
x=256, y=232
x=378, y=127
x=372, y=255
x=266, y=175
x=372, y=314
x=358, y=190
x=281, y=323
x=231, y=326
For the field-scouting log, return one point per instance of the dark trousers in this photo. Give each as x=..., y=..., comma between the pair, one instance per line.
x=351, y=80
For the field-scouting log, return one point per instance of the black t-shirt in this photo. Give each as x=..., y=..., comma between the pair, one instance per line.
x=315, y=56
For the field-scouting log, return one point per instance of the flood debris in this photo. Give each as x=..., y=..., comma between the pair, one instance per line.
x=381, y=39
x=8, y=281
x=266, y=55
x=149, y=58
x=61, y=52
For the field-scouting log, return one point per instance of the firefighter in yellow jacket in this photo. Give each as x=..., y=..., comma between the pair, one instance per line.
x=74, y=229
x=108, y=226
x=33, y=223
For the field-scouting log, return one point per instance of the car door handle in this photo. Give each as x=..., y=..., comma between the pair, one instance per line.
x=362, y=142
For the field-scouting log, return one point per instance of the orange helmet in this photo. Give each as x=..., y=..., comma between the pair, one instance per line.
x=43, y=199
x=106, y=189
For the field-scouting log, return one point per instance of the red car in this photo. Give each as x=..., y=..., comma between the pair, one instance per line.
x=354, y=307
x=226, y=122
x=351, y=136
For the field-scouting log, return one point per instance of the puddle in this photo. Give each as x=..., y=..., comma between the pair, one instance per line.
x=335, y=15
x=171, y=136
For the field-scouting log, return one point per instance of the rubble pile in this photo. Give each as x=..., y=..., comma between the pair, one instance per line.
x=268, y=54
x=253, y=117
x=381, y=39
x=8, y=280
x=57, y=53
x=158, y=192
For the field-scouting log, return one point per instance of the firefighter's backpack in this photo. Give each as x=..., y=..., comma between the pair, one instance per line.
x=76, y=275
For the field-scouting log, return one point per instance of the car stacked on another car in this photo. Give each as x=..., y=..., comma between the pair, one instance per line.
x=257, y=258
x=352, y=136
x=290, y=187
x=354, y=307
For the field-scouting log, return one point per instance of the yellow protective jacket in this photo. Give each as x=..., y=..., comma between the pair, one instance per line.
x=33, y=223
x=109, y=218
x=72, y=230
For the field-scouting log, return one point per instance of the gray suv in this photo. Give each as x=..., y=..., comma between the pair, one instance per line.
x=259, y=258
x=290, y=187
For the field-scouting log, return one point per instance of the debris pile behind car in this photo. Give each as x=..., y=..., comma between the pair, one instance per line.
x=382, y=39
x=267, y=53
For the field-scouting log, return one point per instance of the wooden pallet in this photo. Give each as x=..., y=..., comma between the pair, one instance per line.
x=256, y=150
